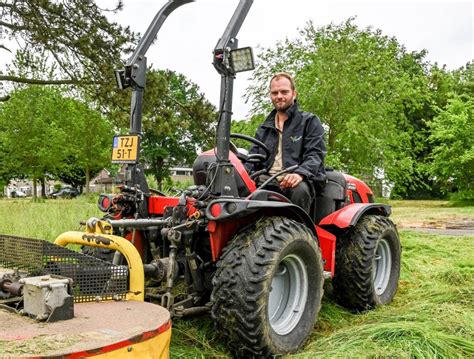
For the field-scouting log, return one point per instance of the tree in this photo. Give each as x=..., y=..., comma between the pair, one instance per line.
x=246, y=127
x=363, y=85
x=80, y=45
x=44, y=133
x=89, y=136
x=31, y=137
x=452, y=158
x=178, y=122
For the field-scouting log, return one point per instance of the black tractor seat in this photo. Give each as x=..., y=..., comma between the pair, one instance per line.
x=332, y=196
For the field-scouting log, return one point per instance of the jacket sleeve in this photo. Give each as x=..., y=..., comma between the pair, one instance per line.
x=314, y=149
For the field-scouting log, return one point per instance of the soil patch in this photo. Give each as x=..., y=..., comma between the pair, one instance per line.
x=442, y=226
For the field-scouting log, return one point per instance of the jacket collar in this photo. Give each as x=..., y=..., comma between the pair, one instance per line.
x=290, y=111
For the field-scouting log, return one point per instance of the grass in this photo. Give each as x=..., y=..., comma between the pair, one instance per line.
x=46, y=219
x=432, y=315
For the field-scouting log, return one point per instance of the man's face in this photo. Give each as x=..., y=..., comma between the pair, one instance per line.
x=281, y=94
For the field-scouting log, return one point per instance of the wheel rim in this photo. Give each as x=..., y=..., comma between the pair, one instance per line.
x=382, y=266
x=288, y=294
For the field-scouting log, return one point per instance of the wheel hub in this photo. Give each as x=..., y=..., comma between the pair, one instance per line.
x=382, y=266
x=288, y=294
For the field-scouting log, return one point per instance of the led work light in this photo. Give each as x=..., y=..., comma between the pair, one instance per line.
x=242, y=59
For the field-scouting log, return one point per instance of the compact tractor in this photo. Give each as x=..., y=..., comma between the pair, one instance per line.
x=246, y=254
x=232, y=248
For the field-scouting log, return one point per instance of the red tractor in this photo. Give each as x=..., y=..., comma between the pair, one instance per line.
x=245, y=254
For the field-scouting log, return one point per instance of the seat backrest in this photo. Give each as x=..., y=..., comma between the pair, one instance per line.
x=332, y=196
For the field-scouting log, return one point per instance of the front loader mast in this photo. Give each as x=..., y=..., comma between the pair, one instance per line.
x=134, y=76
x=225, y=183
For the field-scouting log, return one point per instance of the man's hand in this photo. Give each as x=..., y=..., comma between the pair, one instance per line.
x=291, y=180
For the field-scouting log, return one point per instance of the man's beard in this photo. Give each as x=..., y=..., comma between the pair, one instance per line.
x=283, y=109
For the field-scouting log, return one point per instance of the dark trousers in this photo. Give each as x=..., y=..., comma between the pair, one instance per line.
x=301, y=195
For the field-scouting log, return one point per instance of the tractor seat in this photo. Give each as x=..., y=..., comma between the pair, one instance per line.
x=332, y=196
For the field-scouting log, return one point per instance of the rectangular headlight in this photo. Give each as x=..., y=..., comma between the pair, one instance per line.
x=242, y=59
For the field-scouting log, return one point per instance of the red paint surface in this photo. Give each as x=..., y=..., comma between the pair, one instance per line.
x=361, y=188
x=220, y=233
x=157, y=204
x=343, y=217
x=327, y=243
x=122, y=344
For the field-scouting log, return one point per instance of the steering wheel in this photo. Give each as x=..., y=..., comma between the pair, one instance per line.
x=252, y=157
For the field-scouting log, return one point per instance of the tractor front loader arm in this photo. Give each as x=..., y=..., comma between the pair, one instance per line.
x=134, y=76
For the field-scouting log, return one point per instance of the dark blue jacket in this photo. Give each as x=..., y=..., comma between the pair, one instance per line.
x=302, y=143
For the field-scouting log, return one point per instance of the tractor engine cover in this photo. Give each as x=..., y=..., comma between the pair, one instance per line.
x=48, y=298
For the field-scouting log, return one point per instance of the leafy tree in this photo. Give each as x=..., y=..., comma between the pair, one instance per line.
x=44, y=134
x=246, y=127
x=89, y=137
x=80, y=45
x=452, y=158
x=31, y=137
x=178, y=122
x=363, y=85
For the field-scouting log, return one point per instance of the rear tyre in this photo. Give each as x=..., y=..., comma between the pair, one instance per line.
x=367, y=264
x=267, y=289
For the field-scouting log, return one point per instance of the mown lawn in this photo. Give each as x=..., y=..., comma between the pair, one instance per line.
x=432, y=315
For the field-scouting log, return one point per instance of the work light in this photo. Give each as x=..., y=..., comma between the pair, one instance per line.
x=242, y=59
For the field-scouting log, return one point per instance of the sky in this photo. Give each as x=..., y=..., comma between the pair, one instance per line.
x=186, y=40
x=188, y=36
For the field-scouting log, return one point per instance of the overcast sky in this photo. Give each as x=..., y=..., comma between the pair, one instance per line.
x=187, y=38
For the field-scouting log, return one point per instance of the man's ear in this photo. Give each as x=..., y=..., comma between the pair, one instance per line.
x=295, y=94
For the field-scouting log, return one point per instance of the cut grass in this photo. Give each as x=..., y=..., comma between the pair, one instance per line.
x=432, y=315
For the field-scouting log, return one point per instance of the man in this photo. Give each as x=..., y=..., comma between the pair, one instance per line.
x=293, y=138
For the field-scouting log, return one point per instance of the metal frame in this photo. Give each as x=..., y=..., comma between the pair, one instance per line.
x=134, y=76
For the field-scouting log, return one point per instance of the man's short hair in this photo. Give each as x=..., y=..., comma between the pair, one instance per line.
x=285, y=75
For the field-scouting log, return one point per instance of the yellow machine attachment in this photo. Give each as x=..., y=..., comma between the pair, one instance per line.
x=99, y=234
x=109, y=320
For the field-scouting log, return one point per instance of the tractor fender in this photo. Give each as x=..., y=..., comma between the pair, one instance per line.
x=224, y=209
x=349, y=215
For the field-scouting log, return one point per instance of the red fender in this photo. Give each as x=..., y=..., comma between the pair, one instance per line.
x=327, y=243
x=350, y=214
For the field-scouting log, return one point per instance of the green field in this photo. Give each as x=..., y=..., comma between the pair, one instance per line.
x=432, y=315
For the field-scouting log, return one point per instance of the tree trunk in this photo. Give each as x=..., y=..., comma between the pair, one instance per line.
x=87, y=180
x=35, y=187
x=43, y=187
x=158, y=173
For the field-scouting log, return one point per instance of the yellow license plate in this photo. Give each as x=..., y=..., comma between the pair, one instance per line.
x=125, y=149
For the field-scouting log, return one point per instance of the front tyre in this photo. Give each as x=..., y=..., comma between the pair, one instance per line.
x=267, y=289
x=367, y=264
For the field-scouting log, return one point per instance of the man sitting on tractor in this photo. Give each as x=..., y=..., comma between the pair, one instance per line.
x=293, y=138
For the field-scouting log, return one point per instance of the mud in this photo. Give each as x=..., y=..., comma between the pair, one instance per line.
x=445, y=227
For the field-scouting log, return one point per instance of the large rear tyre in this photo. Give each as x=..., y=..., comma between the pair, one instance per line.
x=367, y=264
x=268, y=287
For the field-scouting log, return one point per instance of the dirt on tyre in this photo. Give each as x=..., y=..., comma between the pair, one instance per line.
x=268, y=287
x=367, y=264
